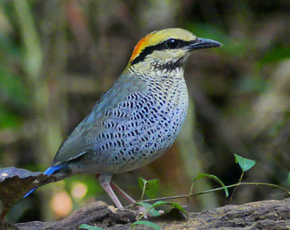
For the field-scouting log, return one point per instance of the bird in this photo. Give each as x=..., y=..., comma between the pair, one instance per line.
x=138, y=119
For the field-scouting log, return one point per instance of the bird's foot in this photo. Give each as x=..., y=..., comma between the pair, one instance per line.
x=140, y=211
x=143, y=212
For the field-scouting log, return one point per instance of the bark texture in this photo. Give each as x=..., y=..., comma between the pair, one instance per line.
x=271, y=214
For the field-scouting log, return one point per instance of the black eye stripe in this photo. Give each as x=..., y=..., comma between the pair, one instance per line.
x=161, y=46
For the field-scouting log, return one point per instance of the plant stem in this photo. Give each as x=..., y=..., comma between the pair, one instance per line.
x=213, y=190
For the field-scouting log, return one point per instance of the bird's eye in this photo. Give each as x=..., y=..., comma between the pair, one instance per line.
x=172, y=43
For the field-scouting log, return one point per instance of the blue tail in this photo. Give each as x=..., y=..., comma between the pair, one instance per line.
x=48, y=171
x=52, y=169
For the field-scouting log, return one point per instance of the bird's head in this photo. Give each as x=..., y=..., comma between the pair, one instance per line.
x=167, y=49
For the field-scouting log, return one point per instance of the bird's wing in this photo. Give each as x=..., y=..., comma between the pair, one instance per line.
x=80, y=140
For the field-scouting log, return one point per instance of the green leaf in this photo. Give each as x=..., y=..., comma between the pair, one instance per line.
x=244, y=163
x=175, y=205
x=142, y=182
x=149, y=188
x=289, y=178
x=147, y=223
x=89, y=227
x=152, y=188
x=203, y=175
x=152, y=211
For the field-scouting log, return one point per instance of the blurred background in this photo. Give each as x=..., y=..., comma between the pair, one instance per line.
x=58, y=57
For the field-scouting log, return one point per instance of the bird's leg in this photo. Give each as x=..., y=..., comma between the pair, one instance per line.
x=105, y=183
x=122, y=193
x=138, y=208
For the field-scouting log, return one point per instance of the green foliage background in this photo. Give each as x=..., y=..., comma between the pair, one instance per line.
x=58, y=57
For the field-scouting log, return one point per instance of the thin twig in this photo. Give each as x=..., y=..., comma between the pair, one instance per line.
x=213, y=190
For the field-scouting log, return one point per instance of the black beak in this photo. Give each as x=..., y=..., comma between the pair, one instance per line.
x=202, y=43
